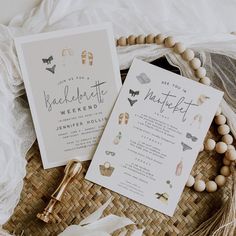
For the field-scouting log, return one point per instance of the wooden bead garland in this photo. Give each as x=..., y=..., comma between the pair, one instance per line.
x=222, y=147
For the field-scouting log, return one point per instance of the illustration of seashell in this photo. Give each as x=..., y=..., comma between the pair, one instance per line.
x=202, y=98
x=83, y=56
x=106, y=169
x=117, y=138
x=143, y=78
x=163, y=197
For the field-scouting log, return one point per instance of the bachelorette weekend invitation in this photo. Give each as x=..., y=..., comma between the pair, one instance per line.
x=153, y=136
x=72, y=80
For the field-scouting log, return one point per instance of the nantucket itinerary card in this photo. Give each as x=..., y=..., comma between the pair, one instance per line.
x=153, y=136
x=72, y=79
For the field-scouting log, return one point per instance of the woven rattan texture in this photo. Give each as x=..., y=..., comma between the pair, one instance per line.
x=83, y=197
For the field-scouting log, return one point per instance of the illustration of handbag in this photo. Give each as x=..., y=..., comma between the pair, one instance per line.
x=106, y=169
x=123, y=118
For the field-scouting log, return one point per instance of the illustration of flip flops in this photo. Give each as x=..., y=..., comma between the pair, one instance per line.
x=162, y=197
x=87, y=55
x=117, y=139
x=197, y=119
x=143, y=78
x=48, y=61
x=201, y=99
x=106, y=169
x=123, y=118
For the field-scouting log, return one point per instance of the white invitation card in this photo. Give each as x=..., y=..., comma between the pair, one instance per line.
x=153, y=136
x=72, y=80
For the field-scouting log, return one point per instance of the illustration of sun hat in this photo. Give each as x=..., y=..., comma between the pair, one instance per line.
x=143, y=78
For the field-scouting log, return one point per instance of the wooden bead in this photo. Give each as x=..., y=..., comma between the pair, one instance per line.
x=218, y=111
x=140, y=39
x=190, y=181
x=199, y=185
x=221, y=147
x=132, y=40
x=210, y=144
x=150, y=38
x=226, y=162
x=230, y=147
x=202, y=148
x=211, y=186
x=220, y=119
x=159, y=39
x=223, y=129
x=220, y=180
x=205, y=80
x=231, y=155
x=179, y=48
x=122, y=41
x=195, y=63
x=225, y=170
x=188, y=54
x=169, y=42
x=116, y=42
x=200, y=72
x=228, y=139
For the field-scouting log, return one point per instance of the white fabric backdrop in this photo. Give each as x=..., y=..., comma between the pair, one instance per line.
x=204, y=25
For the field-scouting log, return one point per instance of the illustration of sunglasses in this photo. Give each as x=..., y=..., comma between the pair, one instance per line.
x=84, y=56
x=123, y=118
x=106, y=169
x=190, y=136
x=110, y=153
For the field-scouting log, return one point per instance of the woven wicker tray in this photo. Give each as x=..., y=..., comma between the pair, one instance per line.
x=83, y=197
